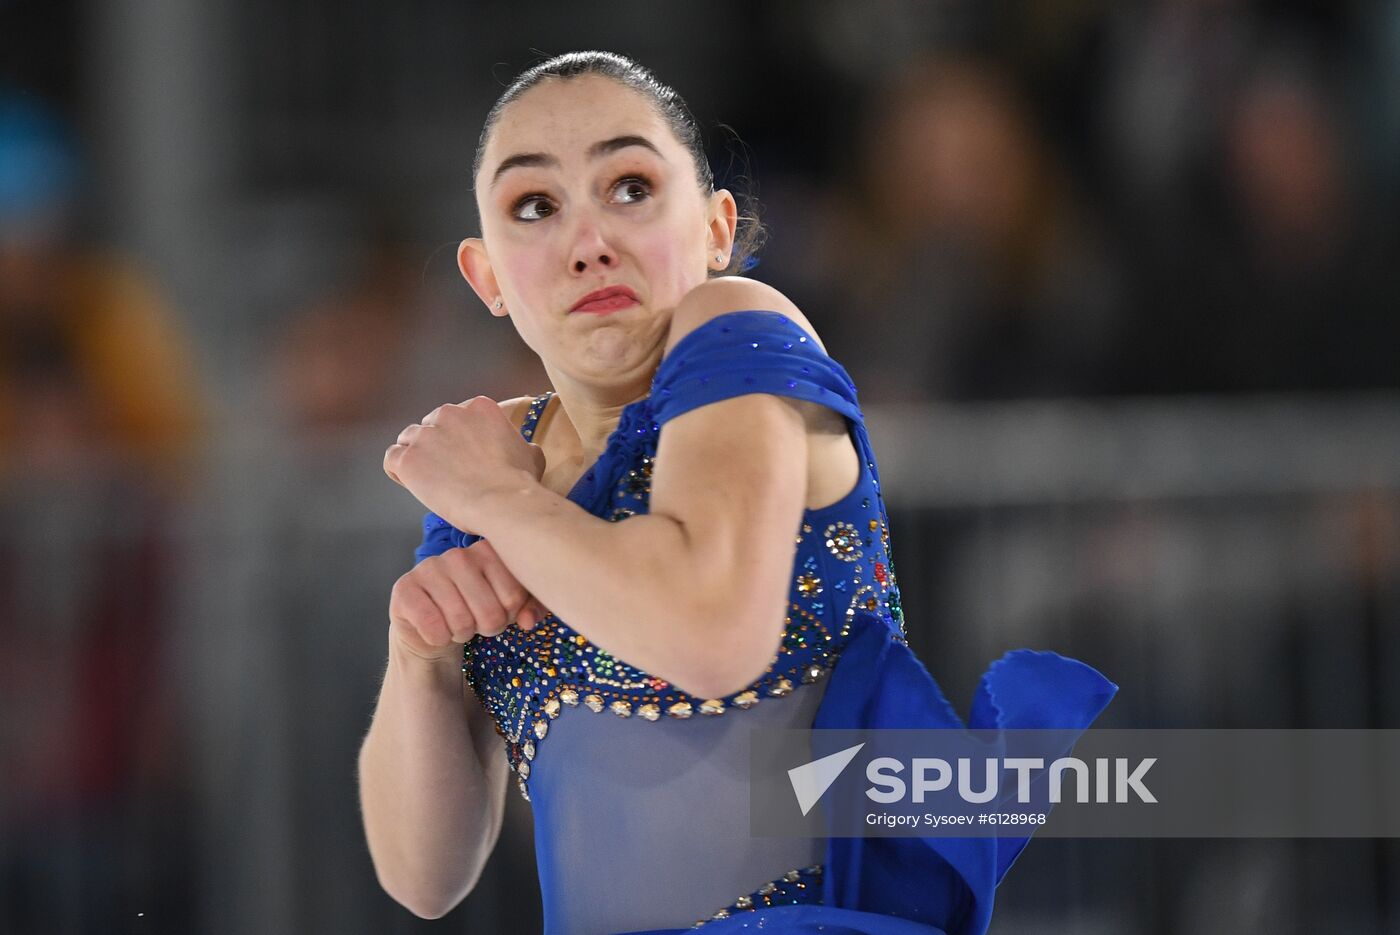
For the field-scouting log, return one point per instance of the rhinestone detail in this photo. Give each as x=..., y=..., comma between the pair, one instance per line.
x=802, y=886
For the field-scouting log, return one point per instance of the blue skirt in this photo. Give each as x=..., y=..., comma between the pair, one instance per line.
x=933, y=885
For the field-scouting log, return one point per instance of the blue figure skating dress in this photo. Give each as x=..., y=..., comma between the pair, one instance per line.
x=640, y=790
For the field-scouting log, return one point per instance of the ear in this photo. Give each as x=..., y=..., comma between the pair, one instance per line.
x=476, y=269
x=722, y=220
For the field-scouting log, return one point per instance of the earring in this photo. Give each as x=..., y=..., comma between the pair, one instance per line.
x=719, y=257
x=498, y=302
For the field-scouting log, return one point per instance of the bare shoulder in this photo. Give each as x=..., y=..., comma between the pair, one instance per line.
x=726, y=294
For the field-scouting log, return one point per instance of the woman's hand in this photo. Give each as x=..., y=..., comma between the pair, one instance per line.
x=445, y=600
x=458, y=455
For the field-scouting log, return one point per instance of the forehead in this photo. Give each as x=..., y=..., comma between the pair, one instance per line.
x=564, y=117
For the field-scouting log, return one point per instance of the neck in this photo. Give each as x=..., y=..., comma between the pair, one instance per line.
x=591, y=413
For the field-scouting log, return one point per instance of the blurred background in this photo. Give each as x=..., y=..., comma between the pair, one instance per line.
x=1118, y=283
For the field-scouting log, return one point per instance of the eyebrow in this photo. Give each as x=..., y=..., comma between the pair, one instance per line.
x=596, y=151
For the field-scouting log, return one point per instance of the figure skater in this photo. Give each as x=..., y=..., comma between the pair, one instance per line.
x=696, y=503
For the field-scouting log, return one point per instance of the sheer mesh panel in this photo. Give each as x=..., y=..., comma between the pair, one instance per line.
x=646, y=824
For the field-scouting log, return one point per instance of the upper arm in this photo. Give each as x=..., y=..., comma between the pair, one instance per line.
x=741, y=458
x=733, y=473
x=737, y=293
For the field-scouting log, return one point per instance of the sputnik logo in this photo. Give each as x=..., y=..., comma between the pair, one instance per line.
x=811, y=780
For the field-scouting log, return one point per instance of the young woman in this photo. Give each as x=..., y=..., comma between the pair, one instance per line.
x=697, y=505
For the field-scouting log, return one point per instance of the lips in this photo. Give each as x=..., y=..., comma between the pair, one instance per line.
x=606, y=300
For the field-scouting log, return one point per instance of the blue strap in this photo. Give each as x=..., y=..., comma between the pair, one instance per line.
x=532, y=415
x=749, y=352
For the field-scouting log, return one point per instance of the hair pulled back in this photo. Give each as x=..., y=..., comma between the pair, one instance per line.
x=671, y=106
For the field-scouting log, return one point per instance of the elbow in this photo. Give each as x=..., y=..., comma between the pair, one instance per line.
x=428, y=911
x=424, y=905
x=424, y=901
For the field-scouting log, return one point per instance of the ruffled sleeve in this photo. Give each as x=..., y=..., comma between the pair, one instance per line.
x=749, y=352
x=881, y=684
x=438, y=536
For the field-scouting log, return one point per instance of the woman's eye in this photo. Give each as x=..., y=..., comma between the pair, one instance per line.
x=634, y=181
x=532, y=200
x=638, y=188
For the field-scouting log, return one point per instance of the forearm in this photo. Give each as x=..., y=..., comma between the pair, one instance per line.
x=639, y=588
x=429, y=814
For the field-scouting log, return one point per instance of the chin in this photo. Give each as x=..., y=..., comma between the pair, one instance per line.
x=609, y=350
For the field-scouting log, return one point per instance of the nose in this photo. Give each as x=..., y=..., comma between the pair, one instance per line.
x=591, y=248
x=581, y=265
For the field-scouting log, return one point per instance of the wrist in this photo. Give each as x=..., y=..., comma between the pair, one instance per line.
x=490, y=505
x=417, y=668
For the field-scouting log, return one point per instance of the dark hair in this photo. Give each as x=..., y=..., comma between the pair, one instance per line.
x=671, y=106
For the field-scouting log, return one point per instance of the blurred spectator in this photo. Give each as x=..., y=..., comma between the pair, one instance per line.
x=960, y=264
x=336, y=362
x=1168, y=65
x=1279, y=274
x=98, y=409
x=385, y=346
x=93, y=804
x=89, y=358
x=1307, y=266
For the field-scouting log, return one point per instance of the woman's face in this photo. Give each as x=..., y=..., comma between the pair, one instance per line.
x=572, y=200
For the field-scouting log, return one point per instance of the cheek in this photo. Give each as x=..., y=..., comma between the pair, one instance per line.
x=522, y=277
x=524, y=274
x=673, y=263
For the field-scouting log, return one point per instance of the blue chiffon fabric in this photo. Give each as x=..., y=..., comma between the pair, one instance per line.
x=612, y=782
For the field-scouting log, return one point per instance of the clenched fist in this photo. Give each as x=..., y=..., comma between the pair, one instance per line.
x=445, y=600
x=459, y=454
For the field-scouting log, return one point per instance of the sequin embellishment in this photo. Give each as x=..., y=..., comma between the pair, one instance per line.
x=842, y=540
x=801, y=887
